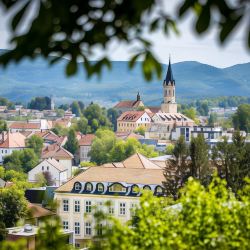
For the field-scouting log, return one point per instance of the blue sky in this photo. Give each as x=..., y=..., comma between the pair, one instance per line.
x=186, y=47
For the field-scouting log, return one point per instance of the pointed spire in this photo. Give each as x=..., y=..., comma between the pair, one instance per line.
x=169, y=76
x=138, y=96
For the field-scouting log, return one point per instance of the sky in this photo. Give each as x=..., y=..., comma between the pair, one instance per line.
x=186, y=47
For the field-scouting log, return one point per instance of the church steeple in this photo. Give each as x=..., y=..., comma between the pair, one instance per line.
x=138, y=98
x=169, y=104
x=169, y=79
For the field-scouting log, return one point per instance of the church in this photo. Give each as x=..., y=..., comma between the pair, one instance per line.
x=158, y=122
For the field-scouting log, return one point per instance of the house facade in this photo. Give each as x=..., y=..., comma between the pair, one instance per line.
x=10, y=142
x=85, y=143
x=58, y=173
x=120, y=184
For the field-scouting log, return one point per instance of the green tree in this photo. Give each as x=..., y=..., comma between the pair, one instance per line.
x=112, y=116
x=178, y=169
x=212, y=119
x=203, y=218
x=190, y=113
x=72, y=144
x=60, y=112
x=141, y=130
x=23, y=160
x=40, y=103
x=241, y=119
x=3, y=126
x=59, y=130
x=13, y=206
x=36, y=143
x=76, y=109
x=82, y=125
x=199, y=167
x=169, y=149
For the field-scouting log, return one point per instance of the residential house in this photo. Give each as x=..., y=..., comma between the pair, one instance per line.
x=129, y=121
x=85, y=144
x=56, y=170
x=60, y=154
x=50, y=137
x=10, y=142
x=119, y=183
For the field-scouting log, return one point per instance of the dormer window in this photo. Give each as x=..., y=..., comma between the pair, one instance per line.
x=88, y=187
x=146, y=187
x=159, y=190
x=77, y=186
x=100, y=187
x=117, y=188
x=135, y=189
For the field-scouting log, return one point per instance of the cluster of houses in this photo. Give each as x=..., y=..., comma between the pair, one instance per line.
x=118, y=183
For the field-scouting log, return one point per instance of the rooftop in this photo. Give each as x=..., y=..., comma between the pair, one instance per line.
x=12, y=140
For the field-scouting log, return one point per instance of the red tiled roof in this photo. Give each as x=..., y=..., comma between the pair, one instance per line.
x=130, y=116
x=127, y=104
x=12, y=140
x=56, y=151
x=86, y=140
x=24, y=125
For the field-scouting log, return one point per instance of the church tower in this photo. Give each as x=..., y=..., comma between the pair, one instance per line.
x=169, y=104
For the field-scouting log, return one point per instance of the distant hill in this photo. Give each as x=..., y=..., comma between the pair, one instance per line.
x=28, y=79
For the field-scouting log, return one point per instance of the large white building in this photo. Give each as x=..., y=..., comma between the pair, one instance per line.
x=118, y=183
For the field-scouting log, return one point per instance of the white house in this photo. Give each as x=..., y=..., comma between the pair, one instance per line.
x=10, y=142
x=57, y=171
x=119, y=183
x=60, y=154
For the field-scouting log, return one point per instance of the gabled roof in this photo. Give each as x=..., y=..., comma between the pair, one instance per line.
x=128, y=104
x=37, y=211
x=51, y=136
x=131, y=116
x=56, y=151
x=53, y=162
x=24, y=125
x=86, y=140
x=12, y=140
x=165, y=117
x=127, y=135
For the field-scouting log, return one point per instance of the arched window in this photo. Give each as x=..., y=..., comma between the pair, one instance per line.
x=100, y=187
x=159, y=190
x=88, y=187
x=135, y=189
x=117, y=188
x=173, y=92
x=146, y=187
x=77, y=186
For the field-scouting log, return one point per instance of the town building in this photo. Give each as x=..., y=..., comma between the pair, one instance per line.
x=28, y=233
x=63, y=156
x=131, y=120
x=50, y=137
x=55, y=170
x=85, y=143
x=119, y=183
x=10, y=142
x=134, y=105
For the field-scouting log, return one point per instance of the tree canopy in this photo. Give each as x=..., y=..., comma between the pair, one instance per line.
x=36, y=143
x=74, y=29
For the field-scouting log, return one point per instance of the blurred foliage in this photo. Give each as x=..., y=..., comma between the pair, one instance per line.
x=76, y=29
x=203, y=218
x=40, y=103
x=36, y=143
x=241, y=119
x=107, y=148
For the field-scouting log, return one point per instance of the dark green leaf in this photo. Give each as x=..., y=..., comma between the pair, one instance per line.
x=71, y=67
x=132, y=61
x=203, y=19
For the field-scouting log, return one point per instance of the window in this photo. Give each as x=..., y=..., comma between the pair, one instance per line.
x=88, y=206
x=77, y=186
x=146, y=187
x=117, y=188
x=77, y=228
x=122, y=208
x=65, y=225
x=111, y=209
x=77, y=206
x=88, y=228
x=42, y=168
x=88, y=187
x=99, y=206
x=159, y=190
x=65, y=205
x=100, y=187
x=47, y=168
x=135, y=189
x=99, y=229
